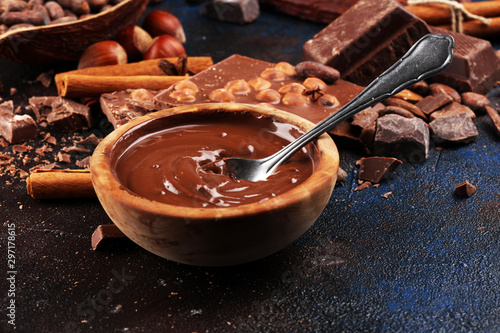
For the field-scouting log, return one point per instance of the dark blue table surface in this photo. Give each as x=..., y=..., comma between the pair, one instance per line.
x=420, y=260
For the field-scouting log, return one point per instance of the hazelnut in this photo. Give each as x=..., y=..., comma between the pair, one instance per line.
x=314, y=83
x=222, y=95
x=164, y=46
x=186, y=85
x=269, y=96
x=286, y=68
x=160, y=22
x=273, y=74
x=328, y=100
x=294, y=99
x=142, y=94
x=238, y=87
x=184, y=95
x=292, y=87
x=135, y=41
x=107, y=52
x=259, y=84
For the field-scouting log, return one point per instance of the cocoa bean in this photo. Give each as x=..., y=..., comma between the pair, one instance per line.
x=320, y=71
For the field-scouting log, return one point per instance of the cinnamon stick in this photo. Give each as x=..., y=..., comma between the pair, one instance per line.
x=145, y=67
x=76, y=86
x=58, y=184
x=439, y=14
x=478, y=29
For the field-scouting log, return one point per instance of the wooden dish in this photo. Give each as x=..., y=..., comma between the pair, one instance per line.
x=214, y=236
x=66, y=41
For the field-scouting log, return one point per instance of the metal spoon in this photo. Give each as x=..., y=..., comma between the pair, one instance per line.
x=427, y=57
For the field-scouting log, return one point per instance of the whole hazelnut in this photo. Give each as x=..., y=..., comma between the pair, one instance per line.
x=135, y=41
x=164, y=46
x=160, y=22
x=107, y=52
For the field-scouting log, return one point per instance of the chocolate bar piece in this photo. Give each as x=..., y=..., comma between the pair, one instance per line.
x=68, y=115
x=14, y=127
x=366, y=40
x=433, y=102
x=122, y=106
x=106, y=235
x=376, y=168
x=236, y=11
x=457, y=128
x=451, y=109
x=475, y=66
x=404, y=138
x=42, y=105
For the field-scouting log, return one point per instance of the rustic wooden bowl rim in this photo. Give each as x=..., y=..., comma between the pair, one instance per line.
x=103, y=177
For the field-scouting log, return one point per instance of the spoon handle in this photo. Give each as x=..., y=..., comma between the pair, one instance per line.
x=427, y=57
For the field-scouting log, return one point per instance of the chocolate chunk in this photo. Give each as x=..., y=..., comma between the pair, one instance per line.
x=236, y=11
x=457, y=128
x=42, y=105
x=68, y=115
x=403, y=138
x=375, y=168
x=450, y=109
x=421, y=88
x=495, y=117
x=367, y=135
x=341, y=177
x=366, y=117
x=475, y=66
x=433, y=102
x=366, y=39
x=122, y=106
x=14, y=127
x=465, y=189
x=106, y=235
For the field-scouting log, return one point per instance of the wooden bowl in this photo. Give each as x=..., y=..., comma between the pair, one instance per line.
x=214, y=236
x=66, y=41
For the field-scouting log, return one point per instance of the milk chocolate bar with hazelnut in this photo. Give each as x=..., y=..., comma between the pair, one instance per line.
x=366, y=39
x=246, y=80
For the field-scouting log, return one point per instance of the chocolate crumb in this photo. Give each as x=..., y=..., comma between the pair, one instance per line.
x=363, y=186
x=84, y=163
x=63, y=158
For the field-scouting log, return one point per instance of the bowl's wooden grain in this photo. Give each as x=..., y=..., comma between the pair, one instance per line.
x=216, y=236
x=66, y=41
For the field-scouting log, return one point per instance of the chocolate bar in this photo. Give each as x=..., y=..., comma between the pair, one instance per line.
x=366, y=39
x=122, y=106
x=14, y=127
x=245, y=80
x=433, y=102
x=475, y=66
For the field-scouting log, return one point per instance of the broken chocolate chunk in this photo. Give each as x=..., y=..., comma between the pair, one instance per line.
x=16, y=128
x=451, y=109
x=465, y=189
x=457, y=128
x=376, y=168
x=366, y=39
x=42, y=105
x=403, y=138
x=68, y=115
x=366, y=117
x=236, y=11
x=122, y=106
x=106, y=235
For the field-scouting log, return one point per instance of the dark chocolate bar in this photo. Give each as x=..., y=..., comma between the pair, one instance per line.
x=366, y=39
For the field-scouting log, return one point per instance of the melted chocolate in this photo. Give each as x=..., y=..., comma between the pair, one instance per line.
x=164, y=160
